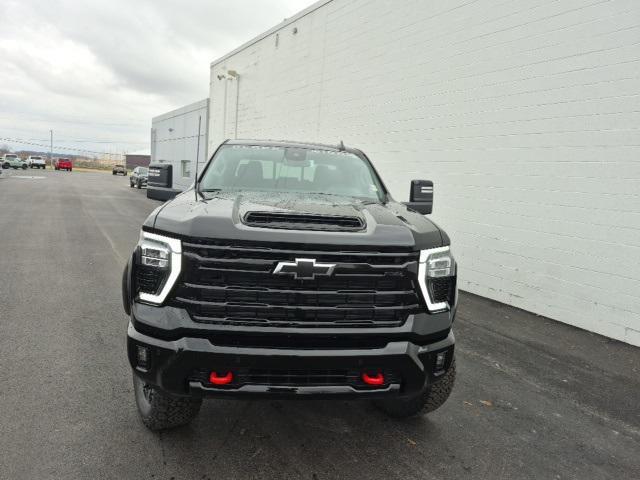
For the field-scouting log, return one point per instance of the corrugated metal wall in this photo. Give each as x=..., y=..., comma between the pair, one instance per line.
x=174, y=139
x=525, y=113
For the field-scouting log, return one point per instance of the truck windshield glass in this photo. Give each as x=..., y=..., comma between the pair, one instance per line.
x=289, y=169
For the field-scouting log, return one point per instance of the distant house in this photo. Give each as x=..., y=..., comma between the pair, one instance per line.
x=133, y=160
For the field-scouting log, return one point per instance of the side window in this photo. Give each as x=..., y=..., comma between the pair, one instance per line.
x=185, y=168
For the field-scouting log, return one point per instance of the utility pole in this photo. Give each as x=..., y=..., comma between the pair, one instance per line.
x=51, y=148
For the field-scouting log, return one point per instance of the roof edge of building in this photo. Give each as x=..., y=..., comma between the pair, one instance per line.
x=287, y=21
x=181, y=110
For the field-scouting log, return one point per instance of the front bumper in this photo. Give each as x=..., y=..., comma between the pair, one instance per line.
x=177, y=366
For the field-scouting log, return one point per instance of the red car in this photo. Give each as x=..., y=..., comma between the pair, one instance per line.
x=63, y=164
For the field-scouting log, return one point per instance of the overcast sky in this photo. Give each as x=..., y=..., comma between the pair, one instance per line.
x=97, y=71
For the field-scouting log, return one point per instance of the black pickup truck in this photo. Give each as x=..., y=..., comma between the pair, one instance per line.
x=288, y=271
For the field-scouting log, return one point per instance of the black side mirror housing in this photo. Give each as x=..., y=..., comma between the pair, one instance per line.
x=421, y=196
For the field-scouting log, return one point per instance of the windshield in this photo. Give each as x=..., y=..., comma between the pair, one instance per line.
x=36, y=158
x=143, y=170
x=11, y=156
x=291, y=169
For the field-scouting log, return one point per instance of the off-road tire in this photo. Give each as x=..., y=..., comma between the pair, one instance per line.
x=138, y=184
x=131, y=184
x=160, y=410
x=431, y=399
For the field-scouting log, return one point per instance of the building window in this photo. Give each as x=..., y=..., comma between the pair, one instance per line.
x=186, y=168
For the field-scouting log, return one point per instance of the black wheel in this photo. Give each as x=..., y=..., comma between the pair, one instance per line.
x=5, y=166
x=24, y=166
x=130, y=183
x=160, y=410
x=139, y=184
x=431, y=399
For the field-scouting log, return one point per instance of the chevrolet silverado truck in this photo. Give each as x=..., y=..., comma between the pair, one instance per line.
x=288, y=270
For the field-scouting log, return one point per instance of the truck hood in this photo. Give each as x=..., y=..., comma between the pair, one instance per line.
x=220, y=217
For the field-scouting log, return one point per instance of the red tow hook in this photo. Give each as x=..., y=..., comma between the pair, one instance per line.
x=377, y=379
x=220, y=379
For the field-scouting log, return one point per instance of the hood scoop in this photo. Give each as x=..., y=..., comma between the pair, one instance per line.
x=304, y=221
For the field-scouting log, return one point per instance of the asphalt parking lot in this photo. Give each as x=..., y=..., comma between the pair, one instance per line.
x=533, y=399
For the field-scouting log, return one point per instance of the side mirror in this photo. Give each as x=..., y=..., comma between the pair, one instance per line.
x=421, y=196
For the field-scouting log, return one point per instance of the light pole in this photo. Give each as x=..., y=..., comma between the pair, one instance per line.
x=236, y=75
x=51, y=148
x=224, y=106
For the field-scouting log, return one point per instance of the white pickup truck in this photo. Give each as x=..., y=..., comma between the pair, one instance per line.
x=36, y=161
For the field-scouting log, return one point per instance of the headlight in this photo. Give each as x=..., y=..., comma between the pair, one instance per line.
x=437, y=278
x=158, y=264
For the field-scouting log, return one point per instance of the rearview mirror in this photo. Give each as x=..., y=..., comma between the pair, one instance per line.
x=421, y=196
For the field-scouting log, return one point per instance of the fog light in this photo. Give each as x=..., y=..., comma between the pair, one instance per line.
x=217, y=379
x=142, y=355
x=440, y=359
x=375, y=379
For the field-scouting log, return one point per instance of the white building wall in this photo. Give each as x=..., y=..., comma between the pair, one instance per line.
x=525, y=114
x=174, y=139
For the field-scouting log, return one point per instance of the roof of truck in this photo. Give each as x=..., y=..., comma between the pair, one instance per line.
x=294, y=144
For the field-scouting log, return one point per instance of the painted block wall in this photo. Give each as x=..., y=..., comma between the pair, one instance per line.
x=525, y=114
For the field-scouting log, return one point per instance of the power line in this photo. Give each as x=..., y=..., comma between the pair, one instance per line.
x=122, y=142
x=61, y=147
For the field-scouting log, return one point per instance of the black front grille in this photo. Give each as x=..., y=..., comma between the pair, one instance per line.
x=297, y=378
x=234, y=284
x=303, y=221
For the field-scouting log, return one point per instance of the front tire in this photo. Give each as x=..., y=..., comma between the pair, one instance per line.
x=431, y=399
x=160, y=410
x=138, y=184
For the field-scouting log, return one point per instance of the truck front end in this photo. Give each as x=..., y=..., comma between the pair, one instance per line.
x=300, y=302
